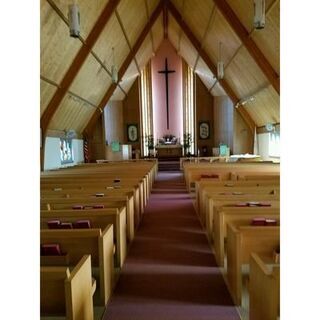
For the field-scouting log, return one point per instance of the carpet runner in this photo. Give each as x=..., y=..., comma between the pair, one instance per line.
x=170, y=272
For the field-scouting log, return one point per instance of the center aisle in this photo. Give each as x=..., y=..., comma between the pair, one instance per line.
x=170, y=272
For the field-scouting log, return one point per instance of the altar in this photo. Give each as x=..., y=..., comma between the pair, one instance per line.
x=169, y=151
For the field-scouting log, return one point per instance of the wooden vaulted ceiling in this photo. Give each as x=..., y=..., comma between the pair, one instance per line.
x=76, y=73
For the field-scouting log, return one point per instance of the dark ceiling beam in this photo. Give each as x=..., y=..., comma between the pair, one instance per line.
x=250, y=45
x=165, y=20
x=196, y=43
x=77, y=63
x=88, y=131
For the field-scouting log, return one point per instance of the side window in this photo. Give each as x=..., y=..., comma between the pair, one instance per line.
x=66, y=154
x=274, y=144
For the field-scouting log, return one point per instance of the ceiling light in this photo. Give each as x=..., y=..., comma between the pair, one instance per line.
x=74, y=20
x=220, y=66
x=259, y=14
x=114, y=70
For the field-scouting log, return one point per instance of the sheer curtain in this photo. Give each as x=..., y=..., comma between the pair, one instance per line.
x=188, y=104
x=146, y=107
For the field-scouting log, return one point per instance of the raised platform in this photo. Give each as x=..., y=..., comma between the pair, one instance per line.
x=169, y=165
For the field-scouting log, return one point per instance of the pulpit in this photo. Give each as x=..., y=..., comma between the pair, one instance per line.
x=169, y=151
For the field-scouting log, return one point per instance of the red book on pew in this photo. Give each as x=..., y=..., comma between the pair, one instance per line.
x=98, y=206
x=65, y=225
x=82, y=224
x=259, y=221
x=77, y=207
x=50, y=249
x=53, y=224
x=271, y=222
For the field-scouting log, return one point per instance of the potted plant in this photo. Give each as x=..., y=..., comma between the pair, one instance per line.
x=187, y=143
x=150, y=144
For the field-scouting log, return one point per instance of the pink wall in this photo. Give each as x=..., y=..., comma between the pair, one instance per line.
x=166, y=50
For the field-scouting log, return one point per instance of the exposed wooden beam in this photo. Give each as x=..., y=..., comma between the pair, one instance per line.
x=77, y=63
x=165, y=20
x=250, y=45
x=90, y=126
x=196, y=43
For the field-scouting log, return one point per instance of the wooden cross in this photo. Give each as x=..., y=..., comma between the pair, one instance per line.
x=166, y=71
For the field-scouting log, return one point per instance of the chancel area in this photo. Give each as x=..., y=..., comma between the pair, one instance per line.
x=160, y=160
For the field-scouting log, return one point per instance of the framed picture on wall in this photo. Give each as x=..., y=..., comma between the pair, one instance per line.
x=132, y=132
x=204, y=130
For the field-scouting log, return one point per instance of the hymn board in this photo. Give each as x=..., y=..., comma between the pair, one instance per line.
x=166, y=71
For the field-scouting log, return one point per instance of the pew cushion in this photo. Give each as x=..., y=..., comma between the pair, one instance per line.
x=259, y=221
x=50, y=249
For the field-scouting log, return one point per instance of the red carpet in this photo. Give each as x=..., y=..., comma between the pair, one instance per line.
x=170, y=272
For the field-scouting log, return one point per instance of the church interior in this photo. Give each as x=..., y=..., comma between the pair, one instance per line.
x=160, y=159
x=159, y=162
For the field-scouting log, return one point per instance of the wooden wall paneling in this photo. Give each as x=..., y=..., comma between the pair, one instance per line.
x=77, y=62
x=47, y=91
x=144, y=53
x=179, y=4
x=187, y=51
x=91, y=81
x=97, y=143
x=88, y=129
x=127, y=84
x=152, y=5
x=204, y=112
x=244, y=75
x=268, y=39
x=250, y=45
x=57, y=48
x=112, y=37
x=128, y=12
x=242, y=136
x=89, y=11
x=173, y=31
x=220, y=31
x=266, y=107
x=157, y=32
x=197, y=15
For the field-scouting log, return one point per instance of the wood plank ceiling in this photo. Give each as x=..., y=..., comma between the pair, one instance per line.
x=76, y=73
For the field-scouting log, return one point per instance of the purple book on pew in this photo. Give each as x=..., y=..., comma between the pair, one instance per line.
x=98, y=206
x=65, y=225
x=53, y=224
x=50, y=249
x=82, y=224
x=259, y=221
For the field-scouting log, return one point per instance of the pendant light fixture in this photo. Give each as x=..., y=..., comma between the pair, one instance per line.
x=74, y=20
x=259, y=14
x=220, y=66
x=114, y=70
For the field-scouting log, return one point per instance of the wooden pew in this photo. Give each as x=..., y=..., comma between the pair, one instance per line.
x=242, y=240
x=234, y=191
x=215, y=201
x=194, y=172
x=99, y=219
x=229, y=185
x=67, y=293
x=107, y=202
x=224, y=215
x=96, y=242
x=264, y=288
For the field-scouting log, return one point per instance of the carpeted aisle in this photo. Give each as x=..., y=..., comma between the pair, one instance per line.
x=170, y=272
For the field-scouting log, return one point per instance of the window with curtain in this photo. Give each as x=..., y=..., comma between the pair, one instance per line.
x=188, y=105
x=146, y=107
